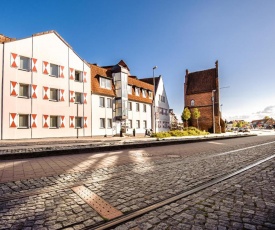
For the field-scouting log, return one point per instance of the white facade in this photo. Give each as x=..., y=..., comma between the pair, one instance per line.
x=42, y=80
x=162, y=118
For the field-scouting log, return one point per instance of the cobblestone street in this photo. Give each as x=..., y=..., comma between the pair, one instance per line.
x=130, y=180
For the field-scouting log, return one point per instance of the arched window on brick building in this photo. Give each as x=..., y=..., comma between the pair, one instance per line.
x=192, y=102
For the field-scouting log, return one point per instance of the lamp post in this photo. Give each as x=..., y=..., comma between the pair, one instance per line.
x=154, y=105
x=213, y=101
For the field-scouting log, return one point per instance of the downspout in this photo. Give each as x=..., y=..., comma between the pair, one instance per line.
x=83, y=98
x=2, y=94
x=31, y=89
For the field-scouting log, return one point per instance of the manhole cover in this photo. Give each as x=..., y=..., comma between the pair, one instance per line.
x=97, y=203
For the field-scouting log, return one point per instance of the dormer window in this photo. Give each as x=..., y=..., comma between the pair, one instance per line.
x=143, y=93
x=150, y=94
x=137, y=91
x=192, y=103
x=105, y=83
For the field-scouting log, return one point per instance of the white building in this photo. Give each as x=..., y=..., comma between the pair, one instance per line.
x=131, y=99
x=161, y=120
x=45, y=88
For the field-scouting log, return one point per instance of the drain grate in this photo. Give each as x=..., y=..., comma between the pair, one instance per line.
x=97, y=203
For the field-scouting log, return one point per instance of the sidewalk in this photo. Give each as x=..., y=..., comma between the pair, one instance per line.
x=29, y=148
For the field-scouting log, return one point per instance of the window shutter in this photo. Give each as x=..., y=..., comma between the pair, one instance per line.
x=84, y=77
x=45, y=67
x=71, y=74
x=61, y=73
x=62, y=121
x=14, y=60
x=85, y=122
x=72, y=96
x=33, y=91
x=45, y=121
x=85, y=98
x=71, y=121
x=61, y=94
x=34, y=69
x=45, y=93
x=33, y=120
x=14, y=88
x=13, y=120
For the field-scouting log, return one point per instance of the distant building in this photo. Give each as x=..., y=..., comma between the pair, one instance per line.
x=174, y=124
x=199, y=90
x=263, y=123
x=162, y=118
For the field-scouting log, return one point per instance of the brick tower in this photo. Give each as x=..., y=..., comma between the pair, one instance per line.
x=199, y=90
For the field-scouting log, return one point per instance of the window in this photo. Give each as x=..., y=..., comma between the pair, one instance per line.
x=150, y=95
x=78, y=122
x=54, y=94
x=129, y=89
x=105, y=83
x=137, y=107
x=143, y=93
x=54, y=70
x=23, y=121
x=53, y=121
x=25, y=63
x=109, y=123
x=130, y=124
x=24, y=90
x=109, y=103
x=144, y=108
x=129, y=106
x=78, y=98
x=137, y=91
x=137, y=124
x=144, y=124
x=101, y=102
x=192, y=103
x=102, y=123
x=78, y=76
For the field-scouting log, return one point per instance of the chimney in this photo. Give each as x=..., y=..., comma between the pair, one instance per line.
x=217, y=64
x=186, y=71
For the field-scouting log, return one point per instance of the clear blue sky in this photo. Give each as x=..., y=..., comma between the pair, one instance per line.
x=175, y=35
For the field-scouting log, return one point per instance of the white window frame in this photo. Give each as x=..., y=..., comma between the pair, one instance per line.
x=53, y=74
x=129, y=89
x=137, y=107
x=144, y=93
x=150, y=94
x=144, y=123
x=129, y=106
x=27, y=117
x=56, y=125
x=78, y=76
x=102, y=99
x=137, y=91
x=28, y=90
x=137, y=124
x=109, y=123
x=24, y=63
x=78, y=98
x=76, y=120
x=109, y=103
x=105, y=83
x=57, y=94
x=102, y=123
x=144, y=108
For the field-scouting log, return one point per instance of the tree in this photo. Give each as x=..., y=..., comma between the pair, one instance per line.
x=266, y=117
x=186, y=114
x=196, y=115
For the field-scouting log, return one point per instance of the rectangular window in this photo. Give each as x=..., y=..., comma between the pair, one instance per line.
x=101, y=102
x=78, y=98
x=129, y=89
x=143, y=93
x=109, y=103
x=24, y=90
x=144, y=108
x=78, y=122
x=129, y=106
x=23, y=121
x=150, y=95
x=105, y=83
x=144, y=124
x=109, y=123
x=137, y=91
x=102, y=123
x=53, y=121
x=137, y=124
x=78, y=76
x=53, y=94
x=25, y=63
x=137, y=107
x=54, y=70
x=130, y=124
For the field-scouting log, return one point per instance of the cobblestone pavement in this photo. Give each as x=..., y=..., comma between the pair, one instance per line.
x=156, y=173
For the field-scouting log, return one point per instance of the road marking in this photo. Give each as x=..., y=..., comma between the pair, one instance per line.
x=216, y=143
x=237, y=150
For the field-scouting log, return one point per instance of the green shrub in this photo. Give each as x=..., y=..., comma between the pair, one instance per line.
x=190, y=131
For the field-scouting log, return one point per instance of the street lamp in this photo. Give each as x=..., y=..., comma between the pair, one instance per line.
x=213, y=91
x=154, y=105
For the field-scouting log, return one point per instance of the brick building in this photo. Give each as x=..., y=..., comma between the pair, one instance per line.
x=199, y=89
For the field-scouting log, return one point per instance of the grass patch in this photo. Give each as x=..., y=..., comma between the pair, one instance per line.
x=190, y=131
